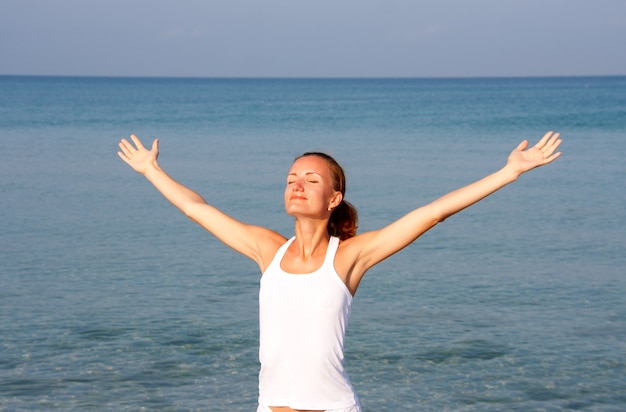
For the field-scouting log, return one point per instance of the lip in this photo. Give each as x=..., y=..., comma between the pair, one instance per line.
x=296, y=197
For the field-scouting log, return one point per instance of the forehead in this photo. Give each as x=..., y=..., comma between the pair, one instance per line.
x=310, y=164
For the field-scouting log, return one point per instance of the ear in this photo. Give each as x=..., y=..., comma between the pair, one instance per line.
x=335, y=200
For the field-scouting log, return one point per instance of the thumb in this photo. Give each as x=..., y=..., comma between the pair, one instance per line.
x=155, y=145
x=522, y=146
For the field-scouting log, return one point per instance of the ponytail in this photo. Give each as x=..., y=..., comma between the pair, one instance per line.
x=343, y=221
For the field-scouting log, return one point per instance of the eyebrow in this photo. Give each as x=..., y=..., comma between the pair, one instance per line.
x=306, y=174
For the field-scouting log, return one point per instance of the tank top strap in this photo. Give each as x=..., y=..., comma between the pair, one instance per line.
x=329, y=260
x=278, y=257
x=283, y=249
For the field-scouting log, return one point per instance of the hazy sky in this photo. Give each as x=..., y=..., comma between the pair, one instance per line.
x=306, y=38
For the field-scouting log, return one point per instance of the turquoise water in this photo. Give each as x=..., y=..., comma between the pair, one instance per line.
x=111, y=300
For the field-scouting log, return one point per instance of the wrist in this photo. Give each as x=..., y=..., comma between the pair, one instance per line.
x=152, y=169
x=511, y=173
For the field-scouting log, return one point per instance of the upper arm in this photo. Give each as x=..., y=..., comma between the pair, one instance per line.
x=373, y=247
x=380, y=244
x=258, y=243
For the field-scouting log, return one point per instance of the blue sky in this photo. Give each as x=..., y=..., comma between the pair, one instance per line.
x=321, y=38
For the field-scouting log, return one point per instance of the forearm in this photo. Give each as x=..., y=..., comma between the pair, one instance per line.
x=466, y=196
x=243, y=238
x=179, y=195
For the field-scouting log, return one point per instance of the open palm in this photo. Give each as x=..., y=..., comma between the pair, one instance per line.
x=544, y=152
x=137, y=156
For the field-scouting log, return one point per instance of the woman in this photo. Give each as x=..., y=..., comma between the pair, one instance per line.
x=308, y=281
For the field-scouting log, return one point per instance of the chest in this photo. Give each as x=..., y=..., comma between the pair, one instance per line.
x=313, y=298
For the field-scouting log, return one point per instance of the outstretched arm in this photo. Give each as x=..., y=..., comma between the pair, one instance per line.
x=378, y=245
x=521, y=160
x=249, y=240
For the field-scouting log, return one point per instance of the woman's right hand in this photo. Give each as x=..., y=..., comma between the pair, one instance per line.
x=137, y=156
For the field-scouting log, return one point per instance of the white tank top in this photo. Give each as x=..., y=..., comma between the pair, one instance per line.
x=303, y=320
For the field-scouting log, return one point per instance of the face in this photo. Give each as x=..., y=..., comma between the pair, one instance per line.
x=309, y=190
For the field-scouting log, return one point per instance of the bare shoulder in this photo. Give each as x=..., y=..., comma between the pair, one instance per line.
x=350, y=263
x=268, y=244
x=352, y=249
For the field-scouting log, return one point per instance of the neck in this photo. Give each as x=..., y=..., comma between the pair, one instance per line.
x=310, y=236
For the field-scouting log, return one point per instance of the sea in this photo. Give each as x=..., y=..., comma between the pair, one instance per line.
x=112, y=300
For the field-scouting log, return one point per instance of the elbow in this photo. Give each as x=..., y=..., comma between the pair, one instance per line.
x=442, y=216
x=438, y=214
x=187, y=210
x=190, y=209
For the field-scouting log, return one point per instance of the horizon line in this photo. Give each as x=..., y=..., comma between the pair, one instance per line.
x=182, y=77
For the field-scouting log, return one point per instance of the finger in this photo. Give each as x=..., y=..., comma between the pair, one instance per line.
x=554, y=141
x=123, y=156
x=541, y=143
x=552, y=145
x=551, y=158
x=126, y=147
x=137, y=142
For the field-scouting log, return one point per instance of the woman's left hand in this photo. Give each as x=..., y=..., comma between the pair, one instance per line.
x=522, y=159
